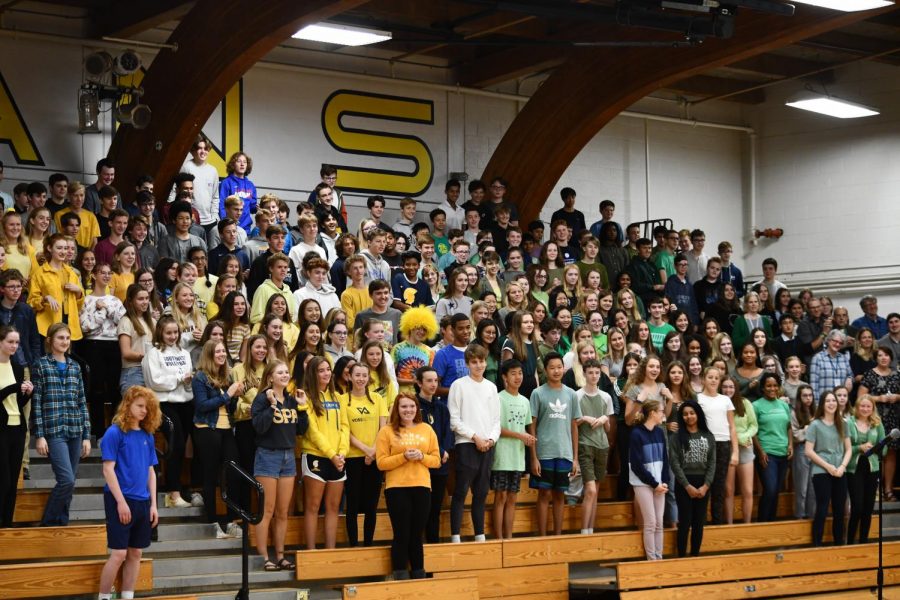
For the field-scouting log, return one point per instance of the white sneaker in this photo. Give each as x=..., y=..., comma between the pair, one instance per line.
x=173, y=502
x=197, y=500
x=234, y=530
x=217, y=531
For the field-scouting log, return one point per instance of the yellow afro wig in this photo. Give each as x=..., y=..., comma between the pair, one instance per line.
x=419, y=316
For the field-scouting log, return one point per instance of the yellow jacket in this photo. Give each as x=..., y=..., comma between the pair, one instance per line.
x=245, y=401
x=329, y=433
x=47, y=281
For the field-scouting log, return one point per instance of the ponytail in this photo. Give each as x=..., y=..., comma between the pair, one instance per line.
x=647, y=408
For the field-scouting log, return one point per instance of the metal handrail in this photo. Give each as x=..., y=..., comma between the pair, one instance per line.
x=247, y=518
x=648, y=225
x=251, y=518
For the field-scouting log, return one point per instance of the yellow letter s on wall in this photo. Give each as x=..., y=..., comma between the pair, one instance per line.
x=365, y=142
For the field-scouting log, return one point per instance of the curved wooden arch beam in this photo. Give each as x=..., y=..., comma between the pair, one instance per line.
x=593, y=86
x=218, y=41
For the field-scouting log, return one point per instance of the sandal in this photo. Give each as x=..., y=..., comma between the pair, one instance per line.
x=286, y=565
x=889, y=496
x=270, y=566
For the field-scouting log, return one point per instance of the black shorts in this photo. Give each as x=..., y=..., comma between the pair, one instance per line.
x=134, y=535
x=321, y=469
x=554, y=475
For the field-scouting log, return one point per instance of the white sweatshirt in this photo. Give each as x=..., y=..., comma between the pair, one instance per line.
x=474, y=410
x=164, y=372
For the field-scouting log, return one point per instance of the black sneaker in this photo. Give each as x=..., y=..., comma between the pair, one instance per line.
x=25, y=474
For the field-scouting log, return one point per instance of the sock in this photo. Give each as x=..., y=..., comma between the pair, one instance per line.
x=103, y=596
x=454, y=539
x=591, y=530
x=585, y=531
x=479, y=537
x=127, y=596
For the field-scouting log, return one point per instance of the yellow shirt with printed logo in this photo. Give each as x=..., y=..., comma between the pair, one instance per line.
x=364, y=415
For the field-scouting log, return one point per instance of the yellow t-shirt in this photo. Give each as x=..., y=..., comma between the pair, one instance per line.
x=89, y=230
x=9, y=403
x=354, y=301
x=364, y=418
x=118, y=284
x=387, y=390
x=205, y=294
x=22, y=262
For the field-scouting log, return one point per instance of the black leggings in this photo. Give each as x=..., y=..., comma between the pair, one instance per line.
x=438, y=491
x=213, y=448
x=408, y=509
x=717, y=489
x=691, y=516
x=363, y=489
x=862, y=484
x=105, y=361
x=833, y=491
x=623, y=435
x=473, y=470
x=12, y=446
x=245, y=437
x=182, y=415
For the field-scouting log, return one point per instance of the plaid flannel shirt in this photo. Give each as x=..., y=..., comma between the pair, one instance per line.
x=59, y=404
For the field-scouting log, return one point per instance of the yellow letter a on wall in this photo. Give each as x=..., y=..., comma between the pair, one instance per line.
x=13, y=131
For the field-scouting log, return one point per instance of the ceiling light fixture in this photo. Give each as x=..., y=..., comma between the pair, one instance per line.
x=342, y=35
x=848, y=5
x=831, y=106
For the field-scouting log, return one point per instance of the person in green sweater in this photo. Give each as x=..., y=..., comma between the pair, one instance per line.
x=692, y=455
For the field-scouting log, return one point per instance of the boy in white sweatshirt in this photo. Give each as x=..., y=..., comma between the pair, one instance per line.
x=475, y=420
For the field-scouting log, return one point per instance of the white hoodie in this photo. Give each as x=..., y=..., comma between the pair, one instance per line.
x=325, y=296
x=164, y=372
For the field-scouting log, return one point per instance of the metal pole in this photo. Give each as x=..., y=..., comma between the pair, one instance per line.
x=880, y=526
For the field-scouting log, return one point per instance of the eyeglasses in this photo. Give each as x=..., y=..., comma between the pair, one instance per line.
x=336, y=332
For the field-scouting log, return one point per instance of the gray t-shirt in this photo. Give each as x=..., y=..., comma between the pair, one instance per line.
x=595, y=405
x=554, y=410
x=390, y=318
x=827, y=444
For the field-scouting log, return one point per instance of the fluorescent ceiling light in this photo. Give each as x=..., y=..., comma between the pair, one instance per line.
x=342, y=35
x=831, y=106
x=848, y=5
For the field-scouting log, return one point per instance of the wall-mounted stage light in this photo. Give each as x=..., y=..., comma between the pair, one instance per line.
x=88, y=110
x=134, y=114
x=831, y=106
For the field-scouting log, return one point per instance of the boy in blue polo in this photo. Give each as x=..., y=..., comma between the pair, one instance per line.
x=129, y=496
x=556, y=414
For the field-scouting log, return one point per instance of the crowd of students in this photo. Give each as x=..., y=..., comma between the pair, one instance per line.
x=465, y=348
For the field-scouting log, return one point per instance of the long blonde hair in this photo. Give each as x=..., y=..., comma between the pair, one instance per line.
x=634, y=315
x=20, y=243
x=218, y=376
x=182, y=317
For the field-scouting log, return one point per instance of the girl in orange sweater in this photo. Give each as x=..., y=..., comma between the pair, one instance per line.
x=405, y=449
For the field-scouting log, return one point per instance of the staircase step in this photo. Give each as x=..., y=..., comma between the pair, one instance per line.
x=207, y=565
x=185, y=531
x=210, y=544
x=271, y=594
x=40, y=471
x=34, y=457
x=80, y=483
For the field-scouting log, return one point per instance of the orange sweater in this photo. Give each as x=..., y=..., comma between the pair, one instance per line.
x=399, y=472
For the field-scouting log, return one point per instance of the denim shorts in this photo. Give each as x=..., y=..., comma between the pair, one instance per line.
x=131, y=376
x=275, y=463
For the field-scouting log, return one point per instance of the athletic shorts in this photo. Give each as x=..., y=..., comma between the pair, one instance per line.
x=274, y=463
x=506, y=481
x=592, y=462
x=134, y=535
x=554, y=475
x=321, y=469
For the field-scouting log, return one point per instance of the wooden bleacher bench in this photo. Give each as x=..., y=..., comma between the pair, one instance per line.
x=35, y=543
x=458, y=588
x=71, y=578
x=624, y=545
x=30, y=505
x=543, y=581
x=610, y=515
x=761, y=574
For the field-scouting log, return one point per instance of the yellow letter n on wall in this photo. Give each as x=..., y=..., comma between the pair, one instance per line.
x=13, y=131
x=369, y=142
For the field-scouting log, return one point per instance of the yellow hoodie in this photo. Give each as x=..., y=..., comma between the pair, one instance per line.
x=329, y=433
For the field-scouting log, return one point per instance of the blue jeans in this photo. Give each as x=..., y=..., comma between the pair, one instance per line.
x=130, y=376
x=64, y=458
x=772, y=476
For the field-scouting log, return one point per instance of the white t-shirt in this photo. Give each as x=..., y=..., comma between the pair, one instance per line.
x=716, y=410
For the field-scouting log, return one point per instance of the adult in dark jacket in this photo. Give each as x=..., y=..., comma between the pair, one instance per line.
x=645, y=279
x=21, y=316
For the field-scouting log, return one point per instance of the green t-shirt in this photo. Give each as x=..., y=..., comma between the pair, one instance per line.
x=658, y=334
x=594, y=406
x=600, y=346
x=515, y=415
x=441, y=246
x=665, y=261
x=827, y=443
x=773, y=418
x=554, y=410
